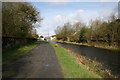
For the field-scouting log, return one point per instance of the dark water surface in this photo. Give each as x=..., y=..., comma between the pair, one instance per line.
x=109, y=58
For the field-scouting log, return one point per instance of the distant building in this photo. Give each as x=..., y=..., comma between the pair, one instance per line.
x=52, y=38
x=41, y=38
x=47, y=38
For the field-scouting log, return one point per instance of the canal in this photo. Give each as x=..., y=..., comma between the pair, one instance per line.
x=109, y=58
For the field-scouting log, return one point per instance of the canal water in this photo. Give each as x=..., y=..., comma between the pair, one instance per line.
x=109, y=58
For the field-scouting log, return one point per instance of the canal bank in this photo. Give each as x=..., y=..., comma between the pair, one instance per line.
x=70, y=65
x=101, y=61
x=95, y=44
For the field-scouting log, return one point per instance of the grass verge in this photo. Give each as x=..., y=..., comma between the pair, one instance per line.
x=94, y=66
x=13, y=54
x=70, y=66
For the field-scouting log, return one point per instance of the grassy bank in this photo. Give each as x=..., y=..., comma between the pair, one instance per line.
x=70, y=66
x=94, y=66
x=98, y=45
x=13, y=54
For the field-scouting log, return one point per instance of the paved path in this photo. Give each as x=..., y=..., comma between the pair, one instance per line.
x=41, y=62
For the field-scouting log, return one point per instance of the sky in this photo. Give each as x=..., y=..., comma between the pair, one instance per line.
x=57, y=13
x=59, y=0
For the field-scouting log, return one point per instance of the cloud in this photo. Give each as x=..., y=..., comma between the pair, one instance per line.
x=58, y=0
x=71, y=18
x=109, y=0
x=57, y=3
x=49, y=26
x=106, y=13
x=37, y=24
x=104, y=0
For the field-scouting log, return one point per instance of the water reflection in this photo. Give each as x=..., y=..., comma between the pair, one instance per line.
x=52, y=42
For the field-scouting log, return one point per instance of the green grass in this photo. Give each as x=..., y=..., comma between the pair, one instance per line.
x=13, y=54
x=95, y=66
x=70, y=66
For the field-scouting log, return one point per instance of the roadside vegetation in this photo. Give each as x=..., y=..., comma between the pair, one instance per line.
x=99, y=33
x=70, y=66
x=19, y=19
x=18, y=51
x=18, y=22
x=93, y=66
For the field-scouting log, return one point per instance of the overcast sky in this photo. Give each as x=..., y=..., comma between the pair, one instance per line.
x=57, y=13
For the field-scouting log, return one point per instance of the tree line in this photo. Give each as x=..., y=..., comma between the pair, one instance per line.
x=98, y=30
x=18, y=19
